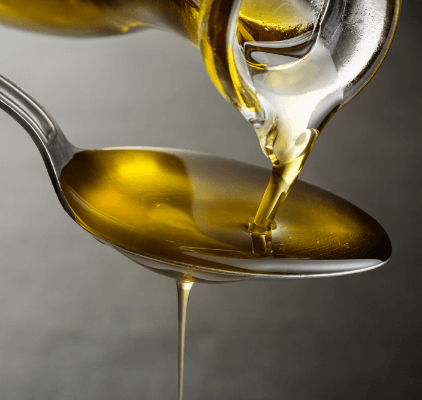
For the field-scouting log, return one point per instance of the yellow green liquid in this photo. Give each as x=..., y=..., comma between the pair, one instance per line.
x=199, y=211
x=261, y=20
x=195, y=210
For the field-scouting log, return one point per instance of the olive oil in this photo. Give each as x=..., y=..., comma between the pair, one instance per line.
x=258, y=20
x=161, y=204
x=194, y=210
x=184, y=287
x=191, y=212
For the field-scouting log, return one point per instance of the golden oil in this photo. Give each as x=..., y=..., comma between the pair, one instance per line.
x=195, y=209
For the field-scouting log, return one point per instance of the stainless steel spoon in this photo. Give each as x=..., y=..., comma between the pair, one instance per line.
x=370, y=245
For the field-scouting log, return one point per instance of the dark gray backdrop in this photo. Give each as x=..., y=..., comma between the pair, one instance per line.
x=79, y=321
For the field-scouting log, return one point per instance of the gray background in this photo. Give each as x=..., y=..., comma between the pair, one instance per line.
x=79, y=321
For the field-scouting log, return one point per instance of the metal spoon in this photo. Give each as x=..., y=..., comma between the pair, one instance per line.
x=370, y=247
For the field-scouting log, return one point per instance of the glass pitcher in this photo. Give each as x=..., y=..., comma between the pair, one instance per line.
x=239, y=41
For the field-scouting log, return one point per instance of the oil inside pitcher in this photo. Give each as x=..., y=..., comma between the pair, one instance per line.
x=258, y=20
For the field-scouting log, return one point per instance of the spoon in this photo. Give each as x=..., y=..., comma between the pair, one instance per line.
x=318, y=233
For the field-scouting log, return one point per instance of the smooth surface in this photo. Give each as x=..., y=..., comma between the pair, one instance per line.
x=79, y=321
x=190, y=211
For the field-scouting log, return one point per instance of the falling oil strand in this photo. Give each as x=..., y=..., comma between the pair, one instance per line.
x=281, y=181
x=184, y=287
x=296, y=83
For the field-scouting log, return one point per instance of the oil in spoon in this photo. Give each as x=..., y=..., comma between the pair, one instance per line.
x=192, y=210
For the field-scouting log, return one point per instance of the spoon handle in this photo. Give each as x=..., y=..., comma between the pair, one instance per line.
x=55, y=149
x=27, y=112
